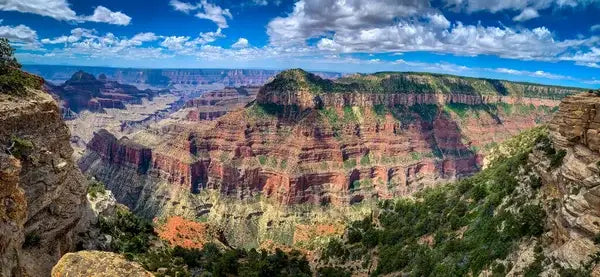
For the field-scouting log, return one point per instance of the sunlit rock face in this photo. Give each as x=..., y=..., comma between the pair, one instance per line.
x=42, y=192
x=573, y=198
x=311, y=140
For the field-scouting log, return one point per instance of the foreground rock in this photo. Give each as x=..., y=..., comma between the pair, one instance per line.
x=42, y=193
x=97, y=264
x=573, y=188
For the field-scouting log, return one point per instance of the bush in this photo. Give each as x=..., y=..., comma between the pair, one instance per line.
x=556, y=160
x=20, y=148
x=131, y=234
x=96, y=188
x=332, y=272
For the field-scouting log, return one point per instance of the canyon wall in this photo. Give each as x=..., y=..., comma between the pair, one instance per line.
x=572, y=194
x=42, y=192
x=322, y=148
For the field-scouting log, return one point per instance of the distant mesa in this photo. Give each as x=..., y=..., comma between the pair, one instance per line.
x=84, y=92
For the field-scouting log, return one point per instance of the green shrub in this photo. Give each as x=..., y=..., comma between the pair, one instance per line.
x=556, y=160
x=262, y=159
x=332, y=272
x=96, y=188
x=131, y=234
x=20, y=148
x=365, y=160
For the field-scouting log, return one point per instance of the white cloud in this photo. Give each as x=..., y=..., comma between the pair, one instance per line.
x=19, y=33
x=204, y=10
x=515, y=5
x=102, y=14
x=240, y=43
x=76, y=35
x=57, y=9
x=526, y=14
x=589, y=58
x=185, y=45
x=363, y=26
x=60, y=10
x=537, y=74
x=182, y=6
x=595, y=28
x=310, y=19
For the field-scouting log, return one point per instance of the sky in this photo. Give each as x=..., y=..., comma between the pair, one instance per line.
x=543, y=41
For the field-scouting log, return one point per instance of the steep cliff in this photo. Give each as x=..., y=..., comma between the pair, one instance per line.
x=42, y=192
x=573, y=186
x=305, y=142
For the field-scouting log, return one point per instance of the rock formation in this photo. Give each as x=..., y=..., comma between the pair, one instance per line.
x=42, y=193
x=310, y=140
x=164, y=77
x=573, y=188
x=84, y=92
x=97, y=264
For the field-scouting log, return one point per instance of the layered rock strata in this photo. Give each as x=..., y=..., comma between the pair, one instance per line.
x=42, y=192
x=573, y=188
x=309, y=149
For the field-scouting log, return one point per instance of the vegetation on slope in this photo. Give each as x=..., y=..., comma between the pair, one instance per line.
x=13, y=81
x=411, y=82
x=136, y=238
x=455, y=230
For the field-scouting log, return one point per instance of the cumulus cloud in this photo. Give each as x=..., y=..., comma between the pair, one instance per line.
x=102, y=14
x=60, y=10
x=526, y=14
x=185, y=45
x=386, y=26
x=57, y=9
x=313, y=18
x=595, y=28
x=19, y=33
x=589, y=58
x=204, y=10
x=240, y=43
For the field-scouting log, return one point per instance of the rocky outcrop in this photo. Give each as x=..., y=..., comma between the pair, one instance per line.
x=338, y=151
x=42, y=192
x=84, y=92
x=573, y=188
x=164, y=77
x=97, y=264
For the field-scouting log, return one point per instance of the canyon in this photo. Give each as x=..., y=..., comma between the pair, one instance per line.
x=165, y=77
x=316, y=142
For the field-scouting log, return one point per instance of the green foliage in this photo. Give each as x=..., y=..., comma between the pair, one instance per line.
x=350, y=163
x=470, y=222
x=556, y=160
x=365, y=160
x=427, y=112
x=20, y=148
x=262, y=159
x=95, y=188
x=410, y=82
x=32, y=239
x=135, y=237
x=232, y=262
x=7, y=55
x=13, y=81
x=131, y=234
x=535, y=268
x=332, y=272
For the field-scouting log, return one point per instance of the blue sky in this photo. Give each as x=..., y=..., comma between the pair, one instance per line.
x=545, y=41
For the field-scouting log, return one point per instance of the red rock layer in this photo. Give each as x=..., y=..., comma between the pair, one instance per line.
x=307, y=157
